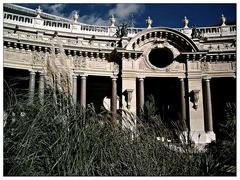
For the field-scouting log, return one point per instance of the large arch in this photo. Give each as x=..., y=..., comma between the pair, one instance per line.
x=174, y=37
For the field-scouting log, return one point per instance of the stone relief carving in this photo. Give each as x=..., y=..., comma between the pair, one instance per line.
x=38, y=58
x=168, y=69
x=115, y=67
x=16, y=56
x=234, y=65
x=80, y=62
x=204, y=66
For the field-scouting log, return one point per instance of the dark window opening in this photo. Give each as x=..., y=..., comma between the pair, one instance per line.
x=161, y=57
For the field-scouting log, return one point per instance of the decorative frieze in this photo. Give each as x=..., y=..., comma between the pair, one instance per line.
x=220, y=67
x=16, y=57
x=38, y=59
x=99, y=65
x=80, y=62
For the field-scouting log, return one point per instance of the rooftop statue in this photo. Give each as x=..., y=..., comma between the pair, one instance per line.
x=196, y=33
x=112, y=20
x=149, y=22
x=223, y=20
x=122, y=30
x=185, y=22
x=39, y=11
x=75, y=16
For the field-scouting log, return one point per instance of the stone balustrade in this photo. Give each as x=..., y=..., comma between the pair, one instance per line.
x=216, y=31
x=94, y=28
x=55, y=24
x=18, y=19
x=133, y=31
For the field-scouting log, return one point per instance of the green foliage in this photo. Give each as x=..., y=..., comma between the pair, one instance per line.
x=220, y=158
x=59, y=139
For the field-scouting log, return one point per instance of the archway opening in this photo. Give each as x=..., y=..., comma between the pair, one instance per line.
x=223, y=92
x=166, y=97
x=161, y=57
x=98, y=87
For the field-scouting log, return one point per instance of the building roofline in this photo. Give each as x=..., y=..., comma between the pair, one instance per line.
x=33, y=12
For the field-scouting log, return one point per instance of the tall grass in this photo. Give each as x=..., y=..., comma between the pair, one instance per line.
x=48, y=140
x=223, y=151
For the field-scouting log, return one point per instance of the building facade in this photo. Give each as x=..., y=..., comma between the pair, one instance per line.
x=190, y=72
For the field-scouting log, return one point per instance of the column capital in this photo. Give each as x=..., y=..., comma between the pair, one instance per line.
x=83, y=77
x=141, y=78
x=207, y=78
x=74, y=76
x=42, y=73
x=114, y=78
x=32, y=72
x=181, y=79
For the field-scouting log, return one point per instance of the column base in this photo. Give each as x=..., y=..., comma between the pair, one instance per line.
x=211, y=136
x=202, y=137
x=184, y=137
x=129, y=122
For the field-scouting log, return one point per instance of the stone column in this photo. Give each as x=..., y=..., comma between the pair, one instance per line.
x=83, y=91
x=41, y=87
x=31, y=86
x=182, y=104
x=74, y=95
x=141, y=93
x=208, y=106
x=114, y=99
x=196, y=110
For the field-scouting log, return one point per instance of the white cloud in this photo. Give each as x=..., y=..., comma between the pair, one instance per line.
x=94, y=20
x=55, y=9
x=123, y=11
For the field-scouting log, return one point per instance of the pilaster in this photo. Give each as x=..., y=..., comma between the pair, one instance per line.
x=196, y=115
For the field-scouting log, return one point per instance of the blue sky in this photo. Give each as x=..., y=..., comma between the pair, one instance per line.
x=166, y=15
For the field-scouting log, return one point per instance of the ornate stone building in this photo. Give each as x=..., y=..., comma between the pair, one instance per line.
x=191, y=72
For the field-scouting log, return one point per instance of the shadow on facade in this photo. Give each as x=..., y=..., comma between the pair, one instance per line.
x=16, y=82
x=97, y=89
x=223, y=90
x=166, y=95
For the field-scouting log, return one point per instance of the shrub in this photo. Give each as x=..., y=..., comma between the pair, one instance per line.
x=221, y=155
x=59, y=139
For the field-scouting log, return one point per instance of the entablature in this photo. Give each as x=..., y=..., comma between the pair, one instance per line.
x=213, y=56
